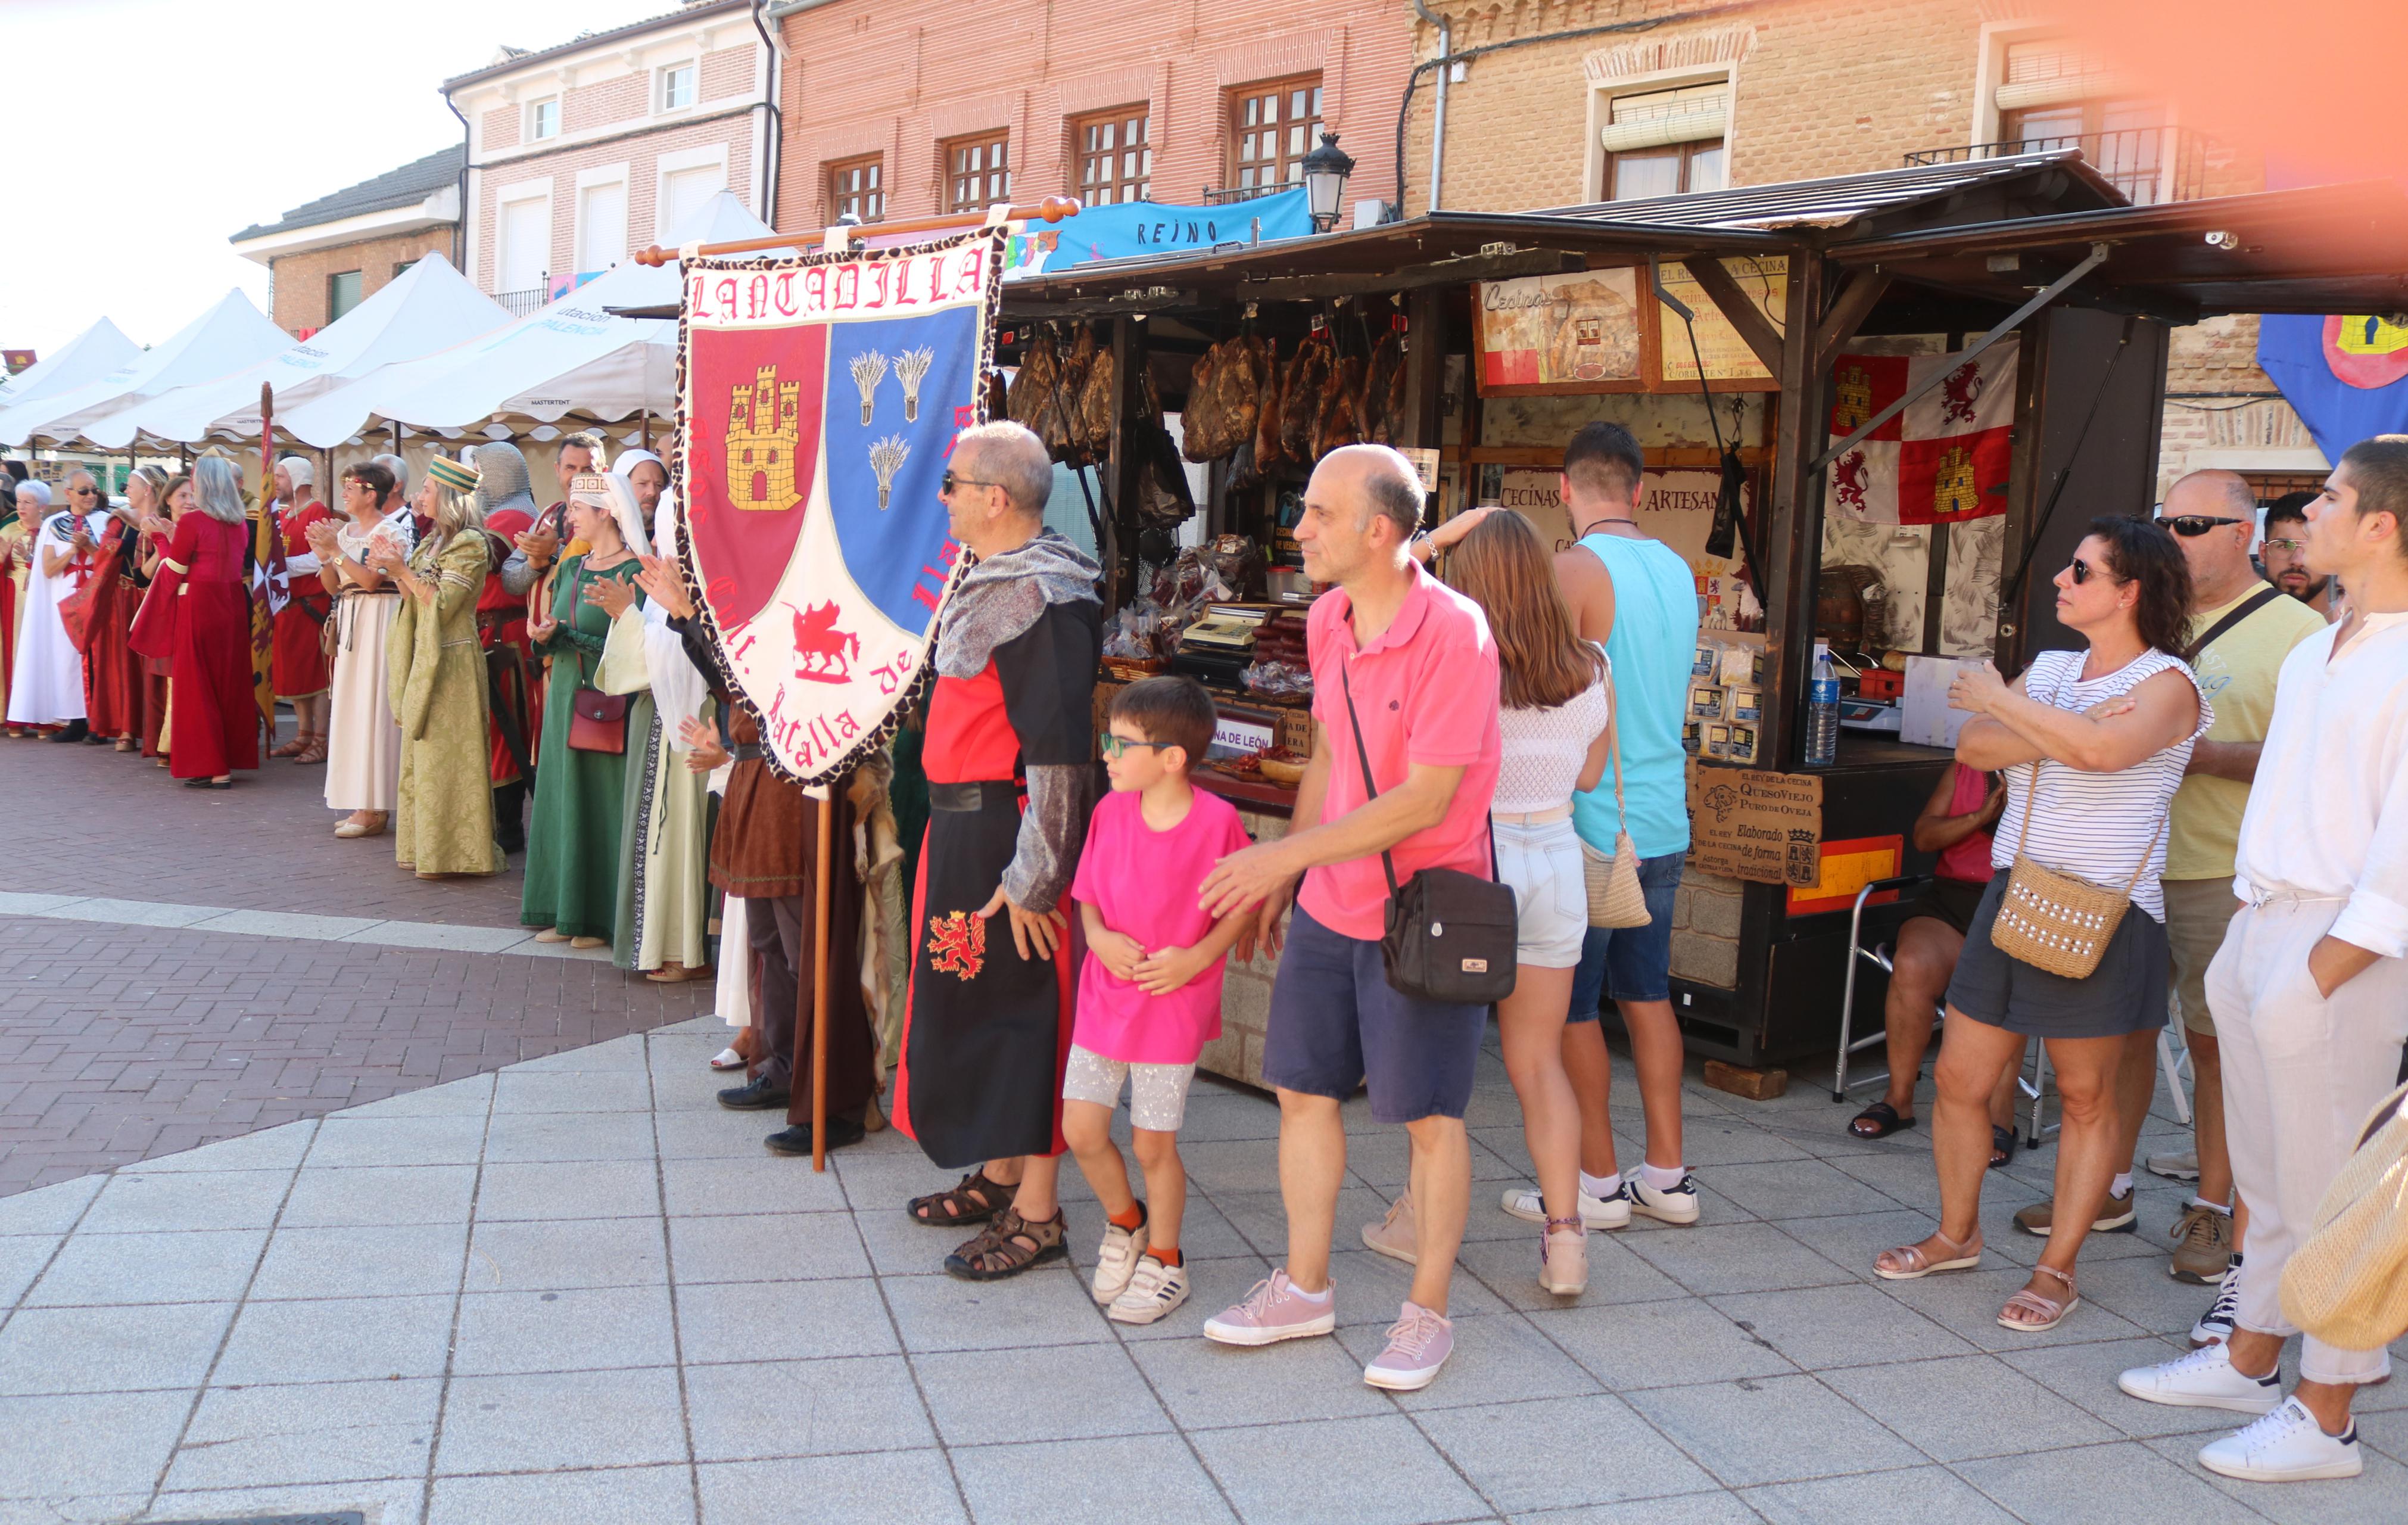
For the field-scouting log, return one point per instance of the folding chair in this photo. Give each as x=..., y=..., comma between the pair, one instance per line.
x=1880, y=958
x=2171, y=1061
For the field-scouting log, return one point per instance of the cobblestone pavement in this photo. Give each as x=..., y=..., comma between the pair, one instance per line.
x=120, y=1041
x=577, y=1289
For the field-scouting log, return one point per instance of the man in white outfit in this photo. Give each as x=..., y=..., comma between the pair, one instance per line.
x=2309, y=991
x=47, y=687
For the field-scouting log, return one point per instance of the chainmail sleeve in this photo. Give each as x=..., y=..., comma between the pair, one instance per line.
x=1045, y=856
x=518, y=574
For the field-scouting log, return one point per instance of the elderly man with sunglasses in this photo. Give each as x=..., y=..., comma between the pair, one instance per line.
x=2240, y=629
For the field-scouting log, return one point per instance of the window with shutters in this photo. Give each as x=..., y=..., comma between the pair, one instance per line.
x=1114, y=153
x=978, y=171
x=857, y=187
x=2055, y=95
x=1667, y=142
x=1272, y=126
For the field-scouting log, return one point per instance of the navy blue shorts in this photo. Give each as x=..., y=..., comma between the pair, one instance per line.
x=1336, y=1020
x=1631, y=963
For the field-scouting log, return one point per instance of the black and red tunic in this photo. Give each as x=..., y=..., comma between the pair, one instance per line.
x=986, y=1033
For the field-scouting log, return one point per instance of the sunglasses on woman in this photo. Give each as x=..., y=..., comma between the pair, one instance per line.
x=2191, y=526
x=2083, y=571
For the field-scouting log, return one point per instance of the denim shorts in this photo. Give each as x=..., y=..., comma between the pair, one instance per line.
x=1335, y=1020
x=1631, y=963
x=1542, y=861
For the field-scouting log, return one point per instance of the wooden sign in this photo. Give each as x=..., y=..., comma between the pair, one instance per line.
x=1731, y=366
x=1766, y=828
x=1561, y=334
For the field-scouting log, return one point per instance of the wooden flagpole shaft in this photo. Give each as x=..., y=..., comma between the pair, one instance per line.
x=820, y=961
x=1051, y=209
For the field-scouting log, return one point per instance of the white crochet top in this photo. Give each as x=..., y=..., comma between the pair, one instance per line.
x=1544, y=750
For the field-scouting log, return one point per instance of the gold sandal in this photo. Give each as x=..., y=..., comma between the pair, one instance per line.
x=2051, y=1312
x=1913, y=1264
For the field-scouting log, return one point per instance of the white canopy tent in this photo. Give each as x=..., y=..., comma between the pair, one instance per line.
x=428, y=308
x=87, y=357
x=572, y=356
x=231, y=335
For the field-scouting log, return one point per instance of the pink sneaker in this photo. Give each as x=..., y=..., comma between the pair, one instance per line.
x=1419, y=1343
x=1272, y=1312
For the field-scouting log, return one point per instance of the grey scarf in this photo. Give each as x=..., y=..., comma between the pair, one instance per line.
x=1002, y=595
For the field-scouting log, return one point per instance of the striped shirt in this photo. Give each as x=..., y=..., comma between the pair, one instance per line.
x=2095, y=826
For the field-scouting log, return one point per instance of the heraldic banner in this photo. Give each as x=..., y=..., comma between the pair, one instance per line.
x=818, y=399
x=1944, y=457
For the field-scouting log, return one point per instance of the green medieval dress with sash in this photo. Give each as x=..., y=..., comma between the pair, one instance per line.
x=572, y=862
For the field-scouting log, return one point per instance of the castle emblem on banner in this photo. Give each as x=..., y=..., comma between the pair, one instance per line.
x=1855, y=403
x=1954, y=489
x=764, y=432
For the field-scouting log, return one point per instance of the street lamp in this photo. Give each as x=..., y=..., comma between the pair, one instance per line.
x=1325, y=169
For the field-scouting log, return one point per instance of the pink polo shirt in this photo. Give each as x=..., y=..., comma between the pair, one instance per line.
x=1426, y=693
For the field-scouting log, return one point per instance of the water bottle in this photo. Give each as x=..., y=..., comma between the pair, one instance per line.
x=1823, y=710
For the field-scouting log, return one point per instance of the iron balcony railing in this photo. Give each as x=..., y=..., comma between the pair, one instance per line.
x=1221, y=196
x=2149, y=165
x=518, y=304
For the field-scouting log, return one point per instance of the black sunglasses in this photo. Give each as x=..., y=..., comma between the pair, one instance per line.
x=2191, y=526
x=1113, y=746
x=950, y=482
x=2083, y=571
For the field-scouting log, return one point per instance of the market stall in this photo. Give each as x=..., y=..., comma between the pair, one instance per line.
x=1849, y=437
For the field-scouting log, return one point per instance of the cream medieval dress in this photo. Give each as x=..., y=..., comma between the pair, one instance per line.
x=443, y=813
x=364, y=740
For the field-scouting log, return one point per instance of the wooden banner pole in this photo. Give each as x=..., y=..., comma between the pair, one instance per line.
x=821, y=960
x=1051, y=209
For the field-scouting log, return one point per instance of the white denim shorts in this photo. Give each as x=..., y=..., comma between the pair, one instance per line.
x=1157, y=1092
x=1542, y=861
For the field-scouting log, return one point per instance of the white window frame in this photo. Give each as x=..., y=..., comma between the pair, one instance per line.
x=670, y=163
x=692, y=65
x=586, y=179
x=1601, y=115
x=533, y=119
x=1990, y=74
x=511, y=195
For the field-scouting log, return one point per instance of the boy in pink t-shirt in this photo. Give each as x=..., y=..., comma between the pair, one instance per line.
x=1149, y=991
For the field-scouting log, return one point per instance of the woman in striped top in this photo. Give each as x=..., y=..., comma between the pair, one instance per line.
x=2093, y=743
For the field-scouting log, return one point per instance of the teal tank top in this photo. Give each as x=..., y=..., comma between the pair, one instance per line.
x=1654, y=641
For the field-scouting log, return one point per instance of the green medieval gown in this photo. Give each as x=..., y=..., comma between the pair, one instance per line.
x=572, y=862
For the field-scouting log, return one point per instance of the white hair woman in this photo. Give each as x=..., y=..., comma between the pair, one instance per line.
x=46, y=685
x=363, y=747
x=204, y=596
x=572, y=861
x=302, y=678
x=443, y=809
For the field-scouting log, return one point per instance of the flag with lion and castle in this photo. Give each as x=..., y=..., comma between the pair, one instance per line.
x=819, y=397
x=1942, y=459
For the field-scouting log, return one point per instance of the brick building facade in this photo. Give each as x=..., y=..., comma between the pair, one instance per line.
x=580, y=153
x=326, y=257
x=898, y=108
x=1565, y=102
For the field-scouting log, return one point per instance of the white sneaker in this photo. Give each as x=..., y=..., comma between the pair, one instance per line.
x=2287, y=1445
x=1612, y=1212
x=2215, y=1325
x=1116, y=1260
x=2204, y=1379
x=1153, y=1289
x=1678, y=1205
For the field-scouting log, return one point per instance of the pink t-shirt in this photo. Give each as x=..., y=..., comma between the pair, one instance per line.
x=1144, y=884
x=1426, y=692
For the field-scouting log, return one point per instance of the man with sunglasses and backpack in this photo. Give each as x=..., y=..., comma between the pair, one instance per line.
x=2242, y=628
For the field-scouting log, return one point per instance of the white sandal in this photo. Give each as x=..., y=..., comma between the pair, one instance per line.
x=727, y=1058
x=1915, y=1265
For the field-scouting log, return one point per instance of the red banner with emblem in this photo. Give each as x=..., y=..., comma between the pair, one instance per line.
x=1942, y=459
x=818, y=399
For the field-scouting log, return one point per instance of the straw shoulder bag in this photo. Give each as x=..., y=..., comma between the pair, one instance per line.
x=2060, y=922
x=1614, y=898
x=2347, y=1283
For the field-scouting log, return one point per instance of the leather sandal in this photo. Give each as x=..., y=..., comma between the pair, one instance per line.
x=289, y=748
x=2051, y=1312
x=314, y=751
x=1884, y=1118
x=2002, y=1145
x=1911, y=1264
x=1009, y=1246
x=974, y=1198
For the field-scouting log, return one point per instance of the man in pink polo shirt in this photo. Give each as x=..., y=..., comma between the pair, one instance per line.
x=1422, y=669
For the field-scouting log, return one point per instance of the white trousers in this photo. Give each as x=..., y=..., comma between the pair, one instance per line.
x=2301, y=1073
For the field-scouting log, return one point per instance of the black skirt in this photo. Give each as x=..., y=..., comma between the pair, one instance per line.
x=987, y=1031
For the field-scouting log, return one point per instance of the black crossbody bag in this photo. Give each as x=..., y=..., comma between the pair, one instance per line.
x=1450, y=935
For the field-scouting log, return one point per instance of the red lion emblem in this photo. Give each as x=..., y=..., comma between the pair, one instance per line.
x=957, y=944
x=1848, y=480
x=823, y=653
x=1961, y=391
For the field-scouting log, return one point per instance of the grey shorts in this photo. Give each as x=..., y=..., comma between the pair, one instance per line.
x=2125, y=994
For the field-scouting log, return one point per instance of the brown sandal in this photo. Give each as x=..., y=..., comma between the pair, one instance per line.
x=975, y=1199
x=1009, y=1246
x=313, y=752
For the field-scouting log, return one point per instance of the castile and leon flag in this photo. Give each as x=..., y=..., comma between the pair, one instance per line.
x=818, y=401
x=1942, y=459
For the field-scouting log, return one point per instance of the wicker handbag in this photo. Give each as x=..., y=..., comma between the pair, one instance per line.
x=2060, y=922
x=1614, y=898
x=2347, y=1283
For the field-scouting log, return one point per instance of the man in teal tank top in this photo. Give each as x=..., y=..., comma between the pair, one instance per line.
x=1639, y=597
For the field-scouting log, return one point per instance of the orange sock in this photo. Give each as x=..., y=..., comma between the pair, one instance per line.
x=1168, y=1256
x=1131, y=1219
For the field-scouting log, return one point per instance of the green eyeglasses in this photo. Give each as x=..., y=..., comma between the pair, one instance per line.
x=1114, y=745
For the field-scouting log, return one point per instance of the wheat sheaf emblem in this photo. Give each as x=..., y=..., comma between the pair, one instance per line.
x=868, y=369
x=886, y=457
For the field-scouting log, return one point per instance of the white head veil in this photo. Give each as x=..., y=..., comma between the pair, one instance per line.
x=617, y=496
x=299, y=468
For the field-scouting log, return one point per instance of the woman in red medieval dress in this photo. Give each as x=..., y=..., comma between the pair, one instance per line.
x=301, y=673
x=198, y=615
x=112, y=673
